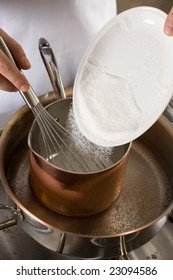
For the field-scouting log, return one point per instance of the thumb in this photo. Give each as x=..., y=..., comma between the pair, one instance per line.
x=168, y=26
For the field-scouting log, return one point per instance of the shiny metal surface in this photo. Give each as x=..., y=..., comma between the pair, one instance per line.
x=95, y=237
x=149, y=175
x=159, y=248
x=16, y=244
x=169, y=111
x=52, y=68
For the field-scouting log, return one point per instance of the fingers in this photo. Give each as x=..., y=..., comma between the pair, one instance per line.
x=10, y=77
x=9, y=71
x=168, y=26
x=17, y=51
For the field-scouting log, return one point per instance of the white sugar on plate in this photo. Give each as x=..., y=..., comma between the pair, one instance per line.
x=124, y=81
x=103, y=99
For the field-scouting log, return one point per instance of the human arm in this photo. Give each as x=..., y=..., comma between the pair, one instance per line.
x=11, y=78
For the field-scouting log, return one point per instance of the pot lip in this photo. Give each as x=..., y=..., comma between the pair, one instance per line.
x=56, y=168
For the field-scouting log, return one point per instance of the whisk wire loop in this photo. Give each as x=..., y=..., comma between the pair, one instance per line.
x=53, y=135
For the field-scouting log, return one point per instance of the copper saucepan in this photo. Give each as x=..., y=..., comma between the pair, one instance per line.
x=72, y=193
x=66, y=192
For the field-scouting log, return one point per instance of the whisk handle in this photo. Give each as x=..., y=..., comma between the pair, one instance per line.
x=29, y=97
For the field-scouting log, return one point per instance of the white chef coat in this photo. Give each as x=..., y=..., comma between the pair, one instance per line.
x=68, y=25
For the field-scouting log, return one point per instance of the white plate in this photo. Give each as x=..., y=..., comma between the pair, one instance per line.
x=125, y=79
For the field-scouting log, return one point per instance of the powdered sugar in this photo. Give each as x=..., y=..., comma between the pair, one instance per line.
x=83, y=145
x=96, y=157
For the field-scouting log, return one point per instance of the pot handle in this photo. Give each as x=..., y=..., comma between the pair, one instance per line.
x=123, y=251
x=169, y=111
x=16, y=216
x=170, y=217
x=52, y=68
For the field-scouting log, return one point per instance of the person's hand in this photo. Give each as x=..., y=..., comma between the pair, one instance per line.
x=168, y=26
x=11, y=78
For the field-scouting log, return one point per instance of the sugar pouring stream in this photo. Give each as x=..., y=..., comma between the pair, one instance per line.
x=58, y=142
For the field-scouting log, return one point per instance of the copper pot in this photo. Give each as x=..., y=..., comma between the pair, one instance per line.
x=73, y=193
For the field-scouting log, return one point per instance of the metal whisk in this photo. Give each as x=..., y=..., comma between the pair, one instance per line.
x=60, y=148
x=55, y=136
